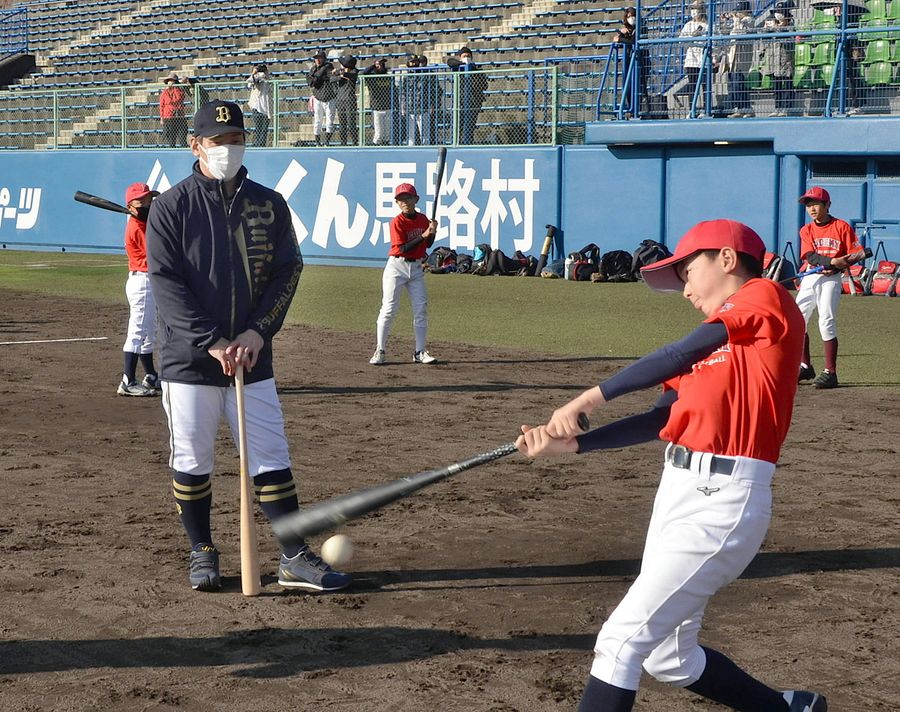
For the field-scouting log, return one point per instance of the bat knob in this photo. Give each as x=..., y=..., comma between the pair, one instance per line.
x=584, y=422
x=868, y=252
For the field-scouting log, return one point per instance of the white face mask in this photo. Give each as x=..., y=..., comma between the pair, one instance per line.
x=779, y=16
x=695, y=14
x=224, y=161
x=629, y=21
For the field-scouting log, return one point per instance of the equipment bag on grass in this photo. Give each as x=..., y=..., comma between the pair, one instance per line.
x=616, y=267
x=582, y=264
x=441, y=260
x=648, y=252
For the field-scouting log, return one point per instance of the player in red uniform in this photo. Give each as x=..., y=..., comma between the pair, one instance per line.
x=725, y=410
x=830, y=243
x=412, y=233
x=141, y=336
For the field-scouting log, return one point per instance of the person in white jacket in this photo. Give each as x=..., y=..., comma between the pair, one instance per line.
x=697, y=26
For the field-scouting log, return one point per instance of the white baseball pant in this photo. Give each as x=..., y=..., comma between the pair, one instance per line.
x=399, y=274
x=822, y=292
x=696, y=544
x=141, y=335
x=381, y=122
x=195, y=411
x=323, y=116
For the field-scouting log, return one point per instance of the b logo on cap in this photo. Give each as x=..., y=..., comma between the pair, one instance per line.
x=223, y=115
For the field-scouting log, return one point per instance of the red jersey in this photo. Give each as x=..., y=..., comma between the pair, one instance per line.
x=738, y=401
x=404, y=229
x=833, y=239
x=136, y=245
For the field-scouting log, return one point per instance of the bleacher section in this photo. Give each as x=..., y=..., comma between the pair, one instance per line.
x=100, y=62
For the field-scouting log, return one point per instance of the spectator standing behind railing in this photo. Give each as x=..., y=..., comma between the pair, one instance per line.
x=472, y=85
x=626, y=35
x=776, y=58
x=171, y=113
x=407, y=89
x=697, y=26
x=344, y=78
x=738, y=60
x=324, y=92
x=379, y=90
x=260, y=85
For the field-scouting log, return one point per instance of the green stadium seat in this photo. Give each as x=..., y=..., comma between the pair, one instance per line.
x=804, y=76
x=877, y=51
x=802, y=54
x=824, y=54
x=758, y=81
x=879, y=74
x=826, y=75
x=877, y=8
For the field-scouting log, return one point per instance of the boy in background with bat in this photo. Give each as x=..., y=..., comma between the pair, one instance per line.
x=412, y=233
x=829, y=243
x=725, y=409
x=141, y=306
x=223, y=293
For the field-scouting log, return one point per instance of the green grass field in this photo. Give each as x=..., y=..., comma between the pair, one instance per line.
x=550, y=316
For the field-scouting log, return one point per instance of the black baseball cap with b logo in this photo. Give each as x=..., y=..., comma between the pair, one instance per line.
x=218, y=117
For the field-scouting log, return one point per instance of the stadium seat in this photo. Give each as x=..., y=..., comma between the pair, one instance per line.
x=824, y=54
x=802, y=54
x=877, y=51
x=879, y=74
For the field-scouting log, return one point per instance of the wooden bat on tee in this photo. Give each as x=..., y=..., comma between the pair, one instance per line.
x=250, y=584
x=324, y=516
x=98, y=202
x=438, y=180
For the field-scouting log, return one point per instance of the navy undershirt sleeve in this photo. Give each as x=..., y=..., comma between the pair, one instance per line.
x=633, y=430
x=671, y=360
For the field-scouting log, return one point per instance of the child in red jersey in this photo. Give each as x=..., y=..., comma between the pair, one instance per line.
x=728, y=392
x=411, y=235
x=141, y=336
x=829, y=243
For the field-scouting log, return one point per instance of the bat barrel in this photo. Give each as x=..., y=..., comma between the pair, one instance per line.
x=331, y=513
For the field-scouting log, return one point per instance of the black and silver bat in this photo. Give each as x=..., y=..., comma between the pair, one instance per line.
x=334, y=512
x=545, y=250
x=438, y=180
x=98, y=202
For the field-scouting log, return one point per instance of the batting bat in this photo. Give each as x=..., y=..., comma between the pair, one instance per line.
x=98, y=202
x=545, y=250
x=295, y=528
x=867, y=253
x=438, y=180
x=250, y=585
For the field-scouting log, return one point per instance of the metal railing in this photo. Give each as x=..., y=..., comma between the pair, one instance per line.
x=13, y=32
x=403, y=107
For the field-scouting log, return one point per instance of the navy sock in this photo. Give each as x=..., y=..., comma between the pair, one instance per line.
x=193, y=500
x=600, y=696
x=131, y=360
x=277, y=494
x=147, y=363
x=724, y=682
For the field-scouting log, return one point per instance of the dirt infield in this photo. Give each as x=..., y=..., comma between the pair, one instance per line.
x=482, y=593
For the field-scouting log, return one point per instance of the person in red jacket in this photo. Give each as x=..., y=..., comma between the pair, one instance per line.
x=411, y=235
x=141, y=336
x=171, y=113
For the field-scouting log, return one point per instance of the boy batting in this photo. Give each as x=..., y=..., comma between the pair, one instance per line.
x=725, y=409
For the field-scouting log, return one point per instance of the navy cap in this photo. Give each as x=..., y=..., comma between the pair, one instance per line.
x=218, y=117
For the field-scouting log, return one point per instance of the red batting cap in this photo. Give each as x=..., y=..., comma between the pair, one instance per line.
x=817, y=194
x=135, y=191
x=407, y=188
x=708, y=235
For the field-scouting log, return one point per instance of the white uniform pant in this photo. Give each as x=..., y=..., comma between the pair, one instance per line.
x=323, y=116
x=141, y=314
x=194, y=414
x=418, y=126
x=696, y=544
x=823, y=293
x=381, y=122
x=399, y=275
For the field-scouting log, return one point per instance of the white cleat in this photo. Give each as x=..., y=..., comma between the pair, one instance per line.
x=802, y=701
x=423, y=357
x=377, y=358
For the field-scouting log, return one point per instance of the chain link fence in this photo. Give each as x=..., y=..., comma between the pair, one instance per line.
x=409, y=107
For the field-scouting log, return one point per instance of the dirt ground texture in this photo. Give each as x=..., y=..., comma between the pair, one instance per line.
x=481, y=593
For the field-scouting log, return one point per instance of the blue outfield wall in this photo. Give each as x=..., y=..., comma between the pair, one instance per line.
x=633, y=183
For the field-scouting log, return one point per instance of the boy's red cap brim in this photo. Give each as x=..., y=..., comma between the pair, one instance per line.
x=663, y=276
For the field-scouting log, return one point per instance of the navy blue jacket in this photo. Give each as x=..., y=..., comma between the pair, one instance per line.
x=217, y=269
